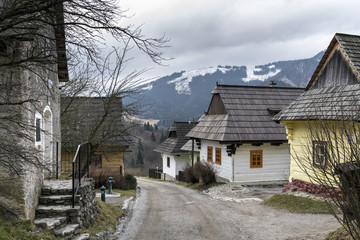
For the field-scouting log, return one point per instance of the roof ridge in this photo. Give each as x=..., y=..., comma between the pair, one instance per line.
x=247, y=86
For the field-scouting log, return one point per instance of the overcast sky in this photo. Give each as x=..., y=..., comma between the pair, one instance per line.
x=208, y=33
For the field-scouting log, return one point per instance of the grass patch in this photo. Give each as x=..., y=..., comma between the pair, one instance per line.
x=106, y=219
x=338, y=234
x=13, y=228
x=297, y=204
x=128, y=193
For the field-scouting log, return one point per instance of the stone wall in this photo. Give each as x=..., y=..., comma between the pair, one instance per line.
x=88, y=202
x=317, y=190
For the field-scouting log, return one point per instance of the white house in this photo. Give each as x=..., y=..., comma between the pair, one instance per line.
x=173, y=157
x=238, y=135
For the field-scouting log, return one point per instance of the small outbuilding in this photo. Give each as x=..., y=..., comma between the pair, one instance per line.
x=173, y=157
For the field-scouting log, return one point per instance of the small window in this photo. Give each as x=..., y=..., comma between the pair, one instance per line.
x=209, y=154
x=168, y=162
x=37, y=130
x=47, y=47
x=218, y=156
x=256, y=159
x=319, y=154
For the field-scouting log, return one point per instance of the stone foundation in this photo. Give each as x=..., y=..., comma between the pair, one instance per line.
x=88, y=202
x=317, y=190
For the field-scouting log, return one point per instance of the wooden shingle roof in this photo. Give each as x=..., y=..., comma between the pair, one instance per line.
x=177, y=139
x=247, y=117
x=333, y=92
x=332, y=103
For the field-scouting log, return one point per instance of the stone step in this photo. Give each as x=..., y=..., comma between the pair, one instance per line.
x=68, y=231
x=43, y=211
x=58, y=199
x=57, y=187
x=50, y=223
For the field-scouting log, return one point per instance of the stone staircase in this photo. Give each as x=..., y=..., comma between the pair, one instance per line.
x=55, y=211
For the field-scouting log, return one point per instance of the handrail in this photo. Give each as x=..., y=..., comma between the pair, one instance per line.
x=80, y=168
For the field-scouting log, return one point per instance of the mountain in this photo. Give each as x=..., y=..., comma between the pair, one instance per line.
x=185, y=95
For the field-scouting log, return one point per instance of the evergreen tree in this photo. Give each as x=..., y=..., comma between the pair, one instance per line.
x=162, y=138
x=156, y=128
x=140, y=147
x=139, y=160
x=153, y=137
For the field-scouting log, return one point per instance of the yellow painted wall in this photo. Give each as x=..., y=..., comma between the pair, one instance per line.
x=111, y=158
x=298, y=135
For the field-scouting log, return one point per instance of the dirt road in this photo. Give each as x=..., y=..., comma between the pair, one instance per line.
x=167, y=211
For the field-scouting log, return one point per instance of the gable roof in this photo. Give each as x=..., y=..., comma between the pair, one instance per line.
x=350, y=48
x=85, y=114
x=177, y=139
x=338, y=97
x=247, y=118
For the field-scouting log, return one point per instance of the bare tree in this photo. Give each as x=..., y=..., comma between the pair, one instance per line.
x=57, y=37
x=92, y=107
x=330, y=158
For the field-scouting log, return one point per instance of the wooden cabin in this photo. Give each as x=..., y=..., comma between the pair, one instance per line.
x=331, y=99
x=99, y=121
x=238, y=135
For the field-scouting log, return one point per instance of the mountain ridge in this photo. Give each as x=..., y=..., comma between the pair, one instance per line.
x=185, y=95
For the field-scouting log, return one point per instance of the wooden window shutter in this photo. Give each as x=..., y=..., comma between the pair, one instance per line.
x=256, y=159
x=218, y=156
x=209, y=154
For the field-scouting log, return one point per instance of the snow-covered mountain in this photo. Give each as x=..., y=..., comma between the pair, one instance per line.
x=185, y=95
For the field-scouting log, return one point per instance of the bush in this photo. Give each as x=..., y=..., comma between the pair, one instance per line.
x=202, y=171
x=189, y=174
x=101, y=176
x=206, y=172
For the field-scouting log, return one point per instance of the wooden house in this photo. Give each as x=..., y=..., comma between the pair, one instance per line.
x=99, y=121
x=332, y=99
x=238, y=135
x=173, y=157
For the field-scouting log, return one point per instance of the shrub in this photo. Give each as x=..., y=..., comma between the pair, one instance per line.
x=189, y=174
x=101, y=176
x=201, y=171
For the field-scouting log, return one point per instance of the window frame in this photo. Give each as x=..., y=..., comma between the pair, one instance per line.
x=316, y=156
x=252, y=165
x=210, y=154
x=218, y=156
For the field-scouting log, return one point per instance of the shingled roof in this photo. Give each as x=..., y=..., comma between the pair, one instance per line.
x=243, y=114
x=333, y=92
x=177, y=139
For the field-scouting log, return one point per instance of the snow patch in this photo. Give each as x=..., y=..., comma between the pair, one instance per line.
x=251, y=76
x=182, y=83
x=271, y=66
x=148, y=87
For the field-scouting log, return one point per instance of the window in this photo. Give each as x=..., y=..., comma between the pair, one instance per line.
x=256, y=159
x=218, y=156
x=209, y=154
x=37, y=130
x=168, y=162
x=319, y=154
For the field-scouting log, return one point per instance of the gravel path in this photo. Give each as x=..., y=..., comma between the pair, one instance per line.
x=167, y=211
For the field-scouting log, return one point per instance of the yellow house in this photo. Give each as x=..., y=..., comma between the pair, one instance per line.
x=322, y=124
